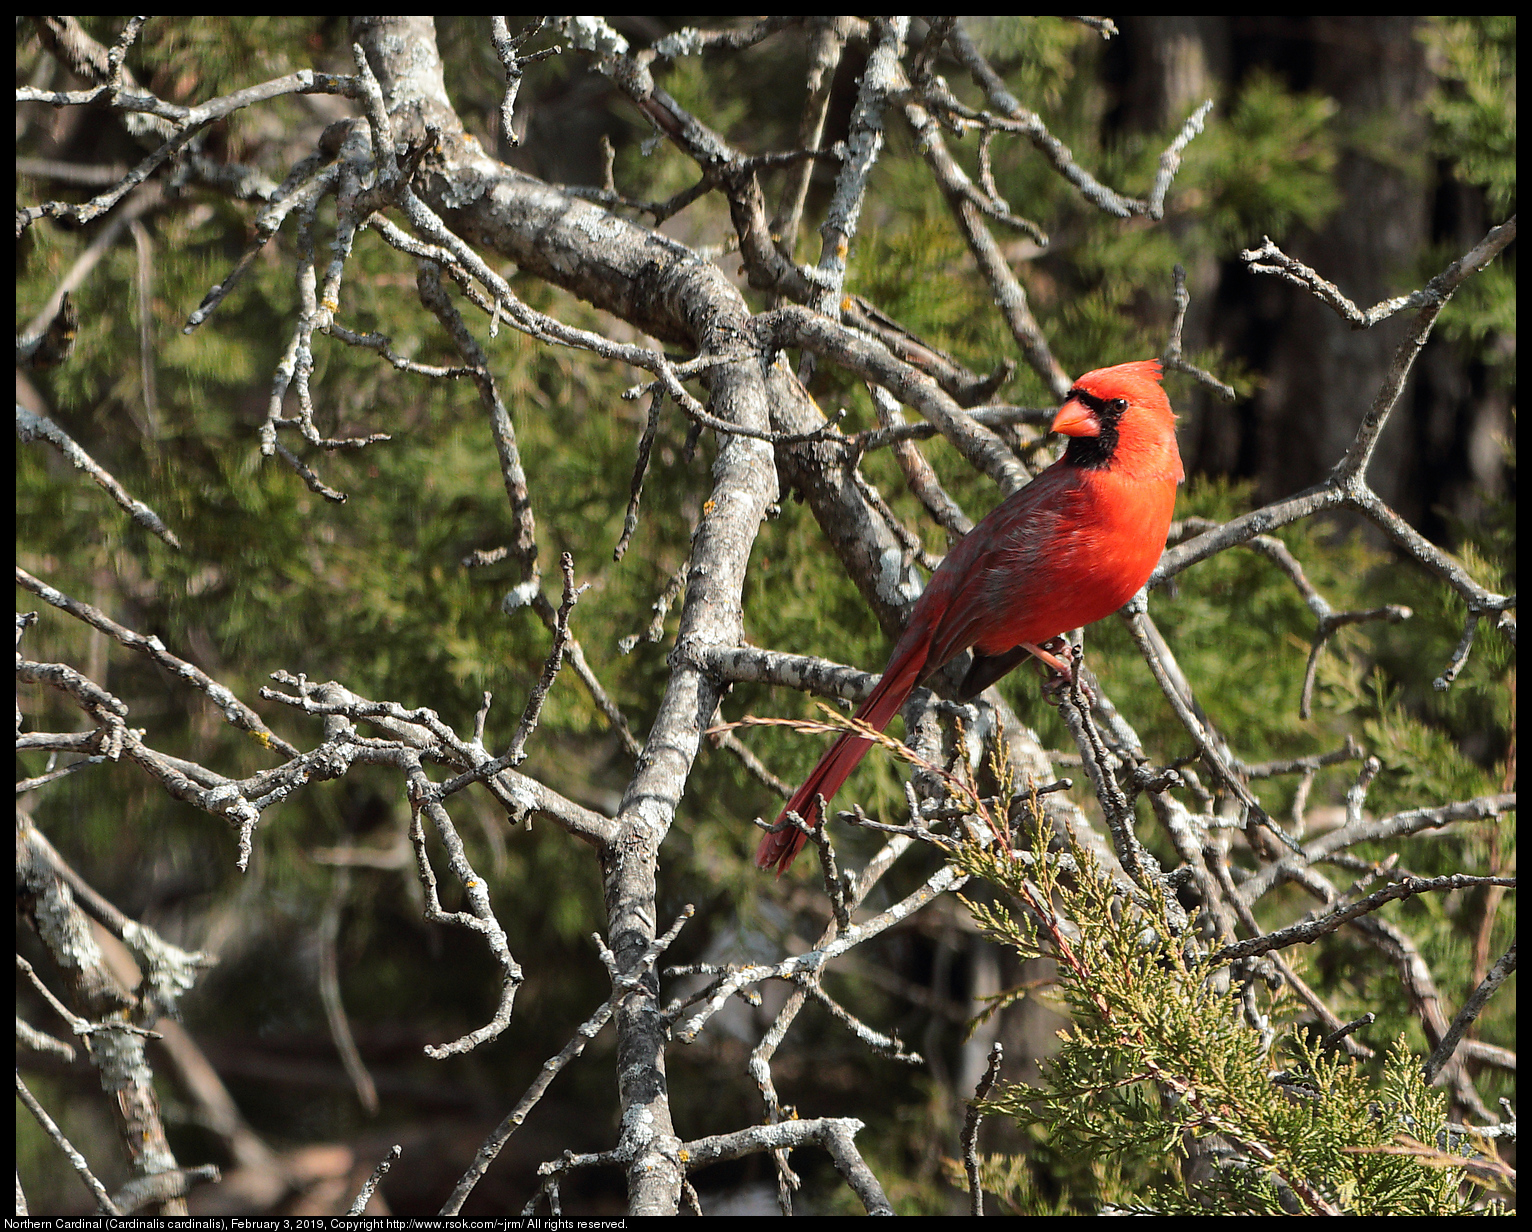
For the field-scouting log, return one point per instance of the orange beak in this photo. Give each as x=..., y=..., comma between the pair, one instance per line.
x=1076, y=419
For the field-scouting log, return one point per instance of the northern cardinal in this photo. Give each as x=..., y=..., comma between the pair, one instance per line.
x=1072, y=546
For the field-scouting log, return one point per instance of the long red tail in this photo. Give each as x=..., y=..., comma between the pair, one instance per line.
x=777, y=850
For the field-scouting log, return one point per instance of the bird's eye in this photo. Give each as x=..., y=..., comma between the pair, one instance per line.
x=1119, y=405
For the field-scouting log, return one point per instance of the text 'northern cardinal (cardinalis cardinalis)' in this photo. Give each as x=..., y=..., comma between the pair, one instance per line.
x=1072, y=546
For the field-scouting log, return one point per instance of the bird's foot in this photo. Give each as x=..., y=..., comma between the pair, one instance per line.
x=1059, y=657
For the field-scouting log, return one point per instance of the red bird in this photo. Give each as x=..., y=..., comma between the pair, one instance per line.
x=1072, y=546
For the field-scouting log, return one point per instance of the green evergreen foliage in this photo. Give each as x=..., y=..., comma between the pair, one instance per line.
x=1161, y=1055
x=1266, y=170
x=1474, y=105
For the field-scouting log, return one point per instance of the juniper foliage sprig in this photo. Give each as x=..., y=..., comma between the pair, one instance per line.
x=1164, y=1098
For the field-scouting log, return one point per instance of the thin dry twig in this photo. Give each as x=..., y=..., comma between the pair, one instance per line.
x=369, y=1187
x=508, y=48
x=516, y=753
x=1173, y=357
x=970, y=1134
x=31, y=427
x=77, y=1161
x=232, y=709
x=1311, y=930
x=1472, y=1008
